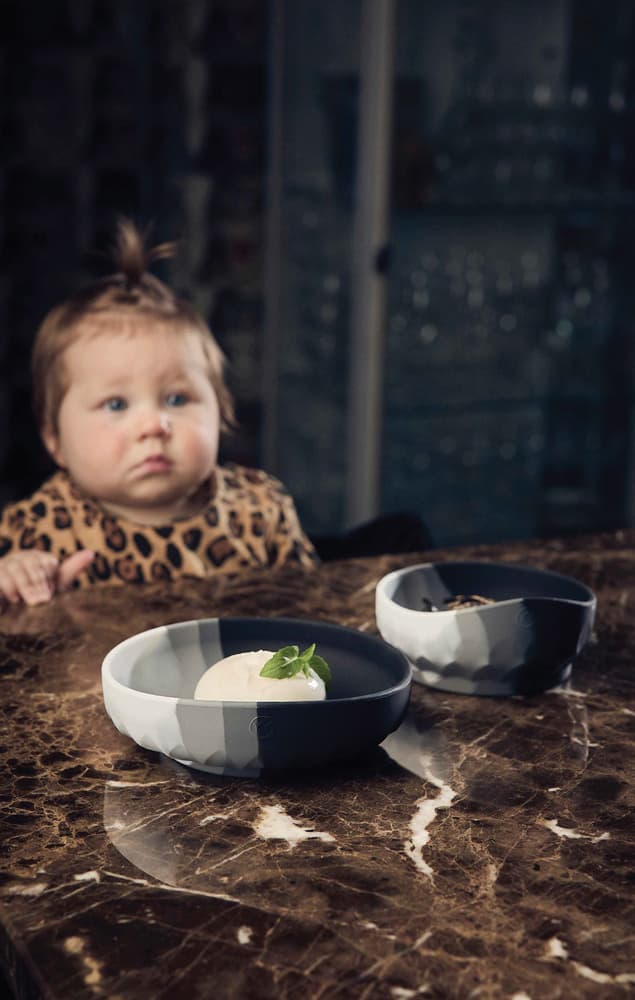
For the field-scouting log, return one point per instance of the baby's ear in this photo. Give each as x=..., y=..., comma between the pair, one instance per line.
x=52, y=444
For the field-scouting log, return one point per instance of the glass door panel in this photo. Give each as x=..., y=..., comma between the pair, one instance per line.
x=317, y=135
x=508, y=389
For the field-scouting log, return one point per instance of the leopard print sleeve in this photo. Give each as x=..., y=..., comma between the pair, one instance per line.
x=19, y=527
x=42, y=521
x=30, y=524
x=8, y=534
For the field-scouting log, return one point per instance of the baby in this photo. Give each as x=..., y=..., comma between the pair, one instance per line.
x=130, y=401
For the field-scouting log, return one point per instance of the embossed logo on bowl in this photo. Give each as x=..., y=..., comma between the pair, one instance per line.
x=524, y=618
x=261, y=726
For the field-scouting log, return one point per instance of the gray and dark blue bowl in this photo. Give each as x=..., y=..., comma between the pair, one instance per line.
x=523, y=643
x=149, y=679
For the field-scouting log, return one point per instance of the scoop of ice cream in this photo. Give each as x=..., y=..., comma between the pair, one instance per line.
x=237, y=678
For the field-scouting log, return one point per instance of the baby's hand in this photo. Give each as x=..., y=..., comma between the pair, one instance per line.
x=34, y=576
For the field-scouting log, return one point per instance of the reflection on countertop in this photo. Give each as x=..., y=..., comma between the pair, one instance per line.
x=182, y=843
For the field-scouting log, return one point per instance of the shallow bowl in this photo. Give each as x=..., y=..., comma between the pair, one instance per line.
x=149, y=679
x=523, y=643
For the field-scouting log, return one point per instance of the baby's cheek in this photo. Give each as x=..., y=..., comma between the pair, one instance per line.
x=206, y=445
x=105, y=442
x=115, y=446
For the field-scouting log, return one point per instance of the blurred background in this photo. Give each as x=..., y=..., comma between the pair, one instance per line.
x=504, y=329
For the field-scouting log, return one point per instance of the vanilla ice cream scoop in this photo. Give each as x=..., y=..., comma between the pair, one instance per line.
x=237, y=678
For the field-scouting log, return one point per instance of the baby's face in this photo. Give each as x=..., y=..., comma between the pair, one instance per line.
x=139, y=425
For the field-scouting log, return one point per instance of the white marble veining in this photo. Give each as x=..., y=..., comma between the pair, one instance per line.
x=570, y=834
x=244, y=934
x=274, y=824
x=424, y=753
x=423, y=817
x=557, y=949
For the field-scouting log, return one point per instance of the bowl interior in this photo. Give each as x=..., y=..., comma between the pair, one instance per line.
x=439, y=582
x=169, y=660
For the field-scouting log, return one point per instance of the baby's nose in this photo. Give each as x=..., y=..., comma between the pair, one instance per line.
x=156, y=424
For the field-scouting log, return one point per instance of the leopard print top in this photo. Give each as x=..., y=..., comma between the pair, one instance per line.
x=249, y=521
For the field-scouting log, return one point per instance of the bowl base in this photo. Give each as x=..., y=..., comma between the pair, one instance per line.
x=229, y=772
x=485, y=688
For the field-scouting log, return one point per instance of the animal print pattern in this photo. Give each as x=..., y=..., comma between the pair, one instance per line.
x=250, y=521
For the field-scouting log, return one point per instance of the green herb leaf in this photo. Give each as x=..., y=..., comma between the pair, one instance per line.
x=321, y=668
x=289, y=661
x=283, y=663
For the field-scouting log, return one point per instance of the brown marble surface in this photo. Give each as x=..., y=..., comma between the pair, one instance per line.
x=485, y=850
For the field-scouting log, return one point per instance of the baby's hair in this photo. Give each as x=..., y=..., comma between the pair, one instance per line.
x=131, y=293
x=132, y=260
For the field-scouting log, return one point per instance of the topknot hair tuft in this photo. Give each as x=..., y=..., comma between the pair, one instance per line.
x=132, y=258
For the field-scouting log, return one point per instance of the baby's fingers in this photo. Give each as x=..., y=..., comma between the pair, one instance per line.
x=8, y=587
x=72, y=566
x=34, y=578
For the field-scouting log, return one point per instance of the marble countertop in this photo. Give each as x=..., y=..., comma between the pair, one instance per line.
x=484, y=850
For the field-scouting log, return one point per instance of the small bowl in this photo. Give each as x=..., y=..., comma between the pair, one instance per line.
x=523, y=643
x=149, y=679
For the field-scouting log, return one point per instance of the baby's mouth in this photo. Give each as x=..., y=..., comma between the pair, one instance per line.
x=155, y=463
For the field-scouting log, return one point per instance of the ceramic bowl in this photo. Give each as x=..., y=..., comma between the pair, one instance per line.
x=523, y=643
x=148, y=681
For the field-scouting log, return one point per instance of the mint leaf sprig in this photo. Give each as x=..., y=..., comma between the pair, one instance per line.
x=289, y=661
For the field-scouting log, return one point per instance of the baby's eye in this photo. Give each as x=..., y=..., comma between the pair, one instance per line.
x=114, y=404
x=176, y=399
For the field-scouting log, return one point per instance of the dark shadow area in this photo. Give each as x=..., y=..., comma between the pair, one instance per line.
x=390, y=534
